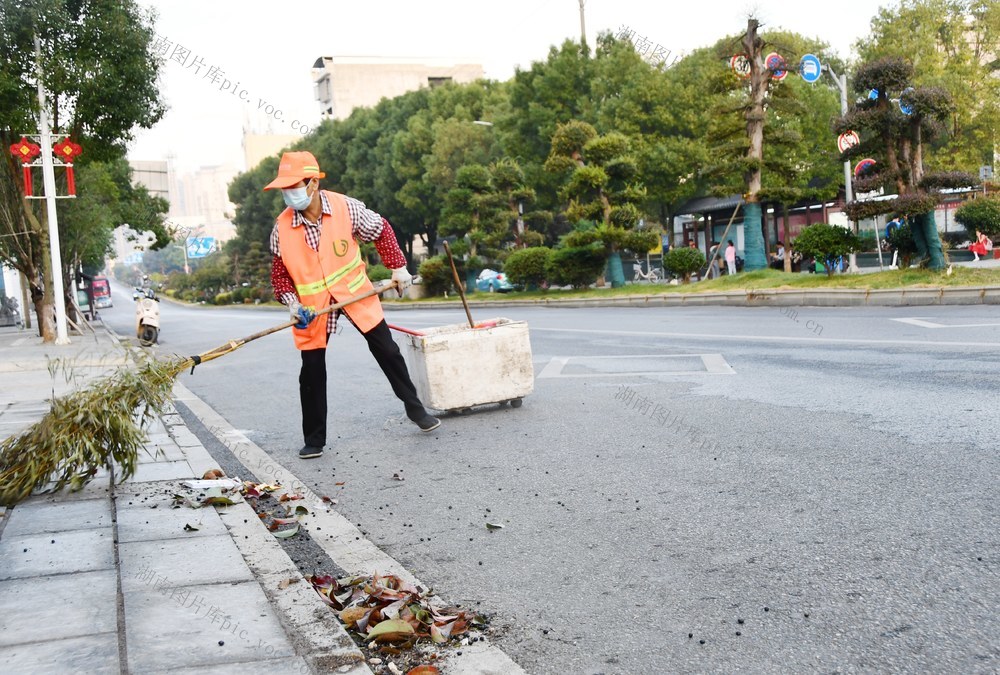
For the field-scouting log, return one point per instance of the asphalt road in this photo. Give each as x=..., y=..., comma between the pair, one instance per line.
x=806, y=489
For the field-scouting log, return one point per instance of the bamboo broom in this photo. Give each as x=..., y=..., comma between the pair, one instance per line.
x=103, y=425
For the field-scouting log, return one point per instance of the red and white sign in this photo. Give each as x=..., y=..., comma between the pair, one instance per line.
x=848, y=139
x=775, y=62
x=740, y=65
x=863, y=165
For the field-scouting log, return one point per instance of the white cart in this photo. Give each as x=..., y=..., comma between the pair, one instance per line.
x=456, y=367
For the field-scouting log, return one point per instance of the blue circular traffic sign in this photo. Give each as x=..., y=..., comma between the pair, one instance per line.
x=905, y=104
x=810, y=68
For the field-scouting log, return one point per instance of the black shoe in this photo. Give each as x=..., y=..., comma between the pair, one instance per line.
x=310, y=451
x=428, y=423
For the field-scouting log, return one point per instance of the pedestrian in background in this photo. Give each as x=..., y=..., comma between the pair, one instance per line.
x=731, y=258
x=981, y=246
x=713, y=254
x=317, y=262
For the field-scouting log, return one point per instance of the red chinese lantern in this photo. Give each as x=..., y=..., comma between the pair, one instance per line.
x=25, y=151
x=67, y=150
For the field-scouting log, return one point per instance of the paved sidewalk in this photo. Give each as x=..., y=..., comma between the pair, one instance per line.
x=111, y=579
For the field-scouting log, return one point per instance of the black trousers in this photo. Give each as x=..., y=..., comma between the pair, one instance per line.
x=312, y=383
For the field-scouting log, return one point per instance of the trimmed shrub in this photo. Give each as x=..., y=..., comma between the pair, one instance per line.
x=378, y=273
x=435, y=274
x=684, y=261
x=576, y=266
x=983, y=214
x=526, y=266
x=826, y=243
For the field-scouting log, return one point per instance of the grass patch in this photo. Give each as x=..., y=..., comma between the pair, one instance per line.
x=758, y=280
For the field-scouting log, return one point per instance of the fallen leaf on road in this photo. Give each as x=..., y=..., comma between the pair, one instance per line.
x=396, y=476
x=290, y=532
x=494, y=526
x=188, y=527
x=289, y=498
x=340, y=483
x=391, y=630
x=285, y=583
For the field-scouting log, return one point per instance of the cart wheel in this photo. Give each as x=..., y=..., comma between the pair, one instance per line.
x=516, y=403
x=503, y=403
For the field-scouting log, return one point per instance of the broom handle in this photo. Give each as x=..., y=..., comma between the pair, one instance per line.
x=236, y=344
x=459, y=285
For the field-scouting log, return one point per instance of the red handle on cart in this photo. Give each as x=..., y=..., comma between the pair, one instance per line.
x=406, y=330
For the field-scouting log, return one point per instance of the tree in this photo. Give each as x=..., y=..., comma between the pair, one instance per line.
x=895, y=140
x=952, y=45
x=826, y=243
x=769, y=137
x=599, y=175
x=475, y=212
x=100, y=70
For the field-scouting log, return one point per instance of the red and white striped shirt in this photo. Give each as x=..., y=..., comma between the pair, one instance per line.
x=366, y=226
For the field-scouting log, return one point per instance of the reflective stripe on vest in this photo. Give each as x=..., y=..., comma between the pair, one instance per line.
x=315, y=284
x=331, y=280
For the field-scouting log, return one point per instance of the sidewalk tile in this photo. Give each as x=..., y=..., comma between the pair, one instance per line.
x=139, y=522
x=76, y=551
x=296, y=666
x=157, y=471
x=58, y=607
x=37, y=516
x=162, y=633
x=94, y=655
x=180, y=562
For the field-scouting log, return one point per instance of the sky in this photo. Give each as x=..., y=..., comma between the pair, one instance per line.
x=218, y=48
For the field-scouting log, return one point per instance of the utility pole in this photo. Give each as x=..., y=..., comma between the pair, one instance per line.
x=49, y=181
x=583, y=27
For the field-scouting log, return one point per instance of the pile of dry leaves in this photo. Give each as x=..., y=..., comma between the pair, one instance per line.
x=388, y=610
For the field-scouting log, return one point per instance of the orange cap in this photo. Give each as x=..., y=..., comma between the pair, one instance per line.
x=295, y=166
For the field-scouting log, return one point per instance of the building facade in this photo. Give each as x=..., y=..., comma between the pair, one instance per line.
x=344, y=83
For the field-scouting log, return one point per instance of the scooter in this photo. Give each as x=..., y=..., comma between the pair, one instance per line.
x=147, y=316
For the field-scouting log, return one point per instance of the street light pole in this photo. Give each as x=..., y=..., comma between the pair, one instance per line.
x=49, y=181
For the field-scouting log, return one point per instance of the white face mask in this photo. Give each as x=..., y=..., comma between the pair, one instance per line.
x=297, y=198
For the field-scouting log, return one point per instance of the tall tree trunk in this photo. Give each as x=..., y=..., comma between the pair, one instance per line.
x=753, y=47
x=45, y=300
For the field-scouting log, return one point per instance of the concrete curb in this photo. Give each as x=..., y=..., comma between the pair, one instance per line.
x=825, y=297
x=343, y=542
x=323, y=642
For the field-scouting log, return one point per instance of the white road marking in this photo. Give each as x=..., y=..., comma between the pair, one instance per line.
x=714, y=364
x=930, y=324
x=771, y=338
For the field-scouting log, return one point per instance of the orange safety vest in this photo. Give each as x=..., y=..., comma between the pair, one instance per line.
x=332, y=274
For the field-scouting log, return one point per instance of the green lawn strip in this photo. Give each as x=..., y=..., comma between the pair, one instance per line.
x=757, y=280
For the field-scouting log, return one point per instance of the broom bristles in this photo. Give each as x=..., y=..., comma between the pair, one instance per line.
x=100, y=426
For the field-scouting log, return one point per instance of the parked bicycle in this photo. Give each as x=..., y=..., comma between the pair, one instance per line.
x=650, y=276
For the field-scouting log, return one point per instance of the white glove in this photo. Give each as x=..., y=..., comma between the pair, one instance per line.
x=403, y=279
x=300, y=314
